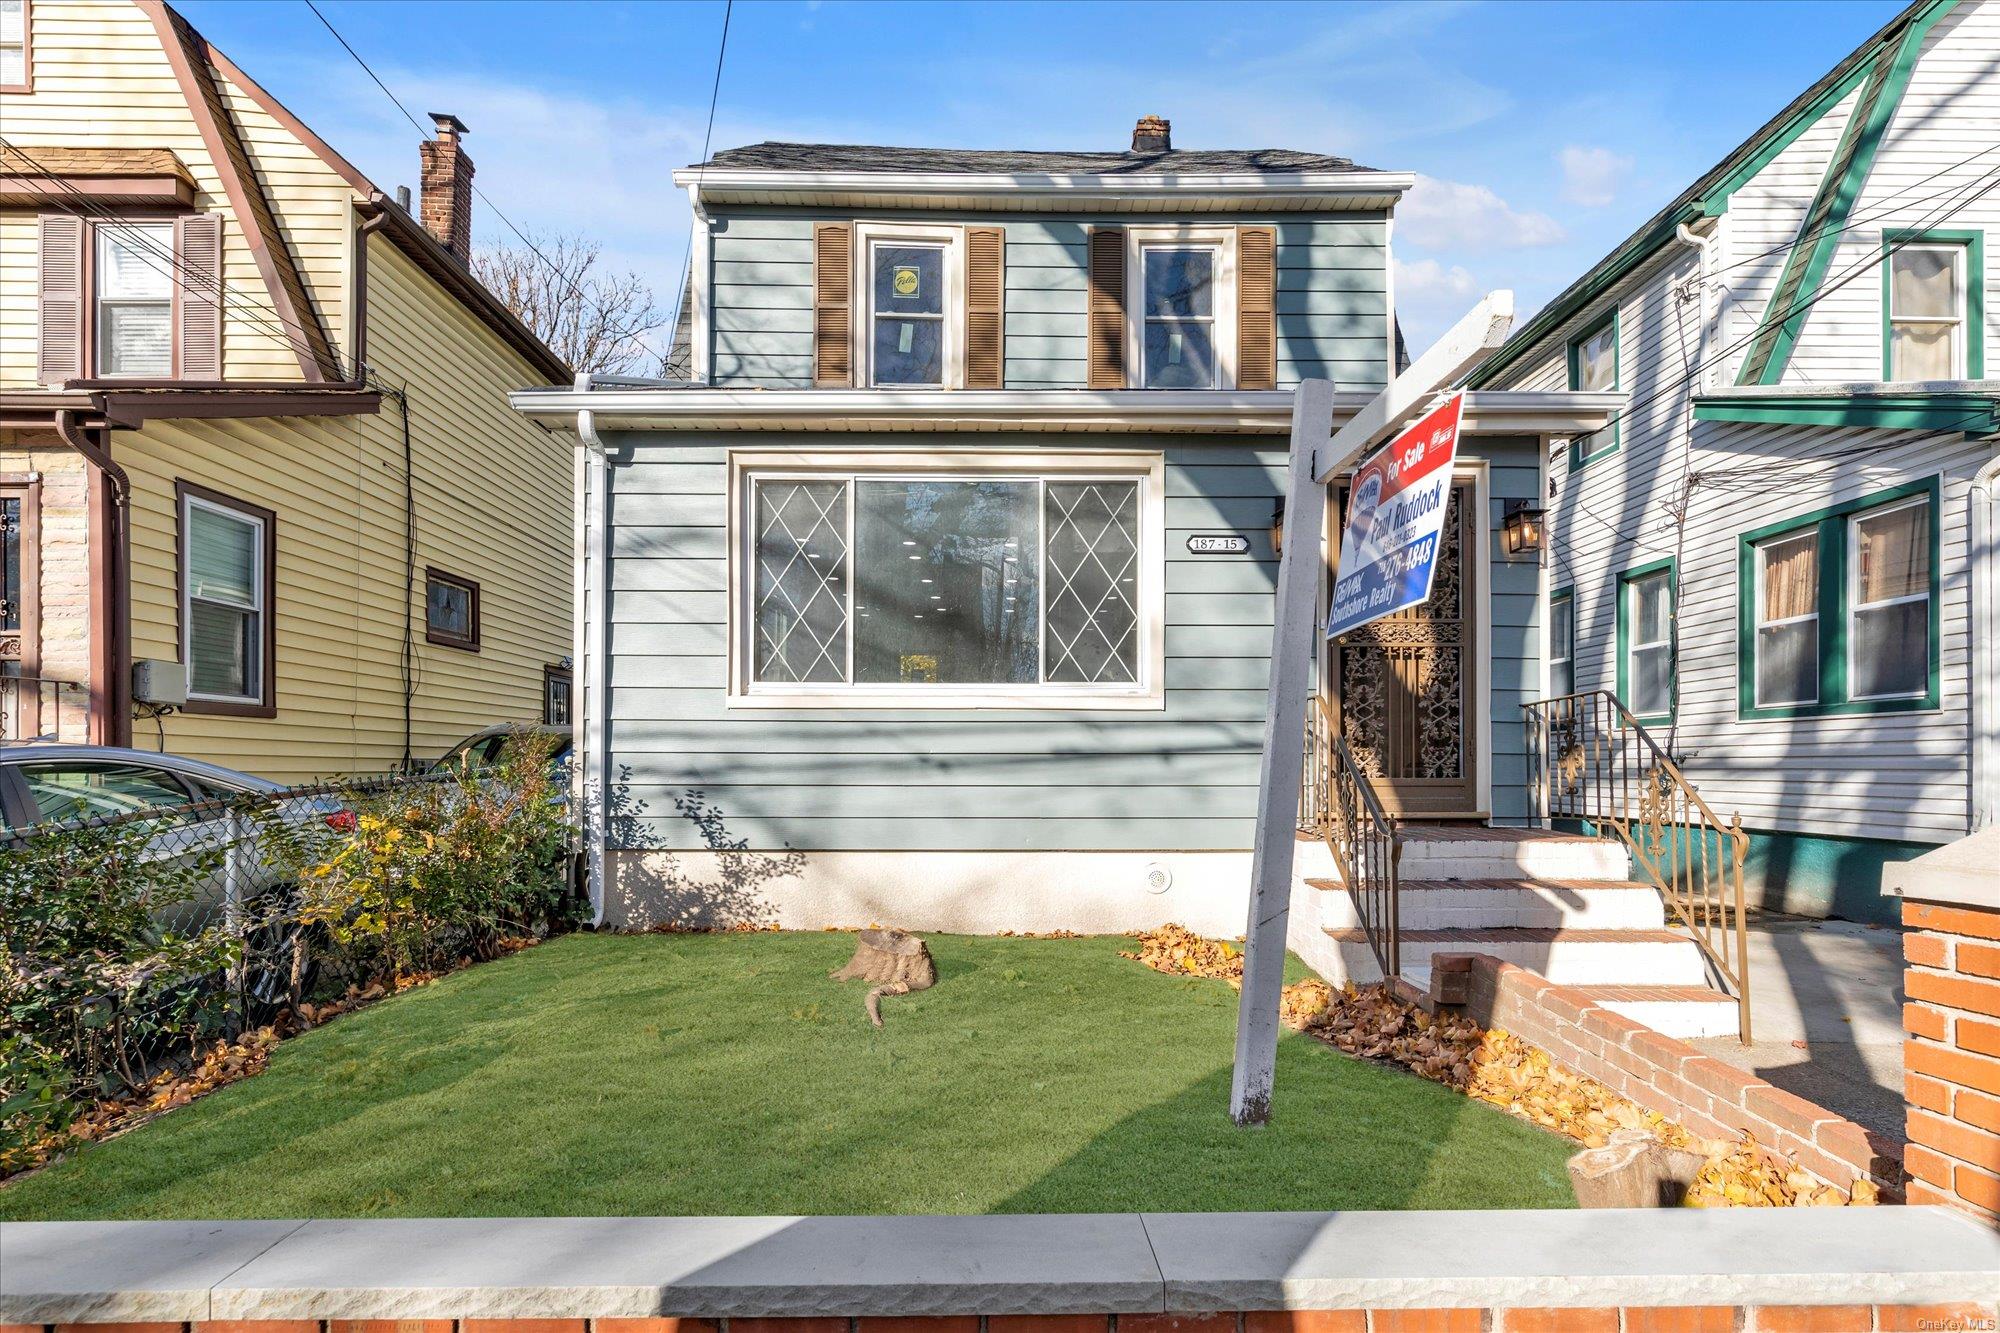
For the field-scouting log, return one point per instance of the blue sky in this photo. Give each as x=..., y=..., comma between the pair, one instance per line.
x=1543, y=132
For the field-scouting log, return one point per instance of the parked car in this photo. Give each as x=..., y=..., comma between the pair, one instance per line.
x=486, y=748
x=58, y=784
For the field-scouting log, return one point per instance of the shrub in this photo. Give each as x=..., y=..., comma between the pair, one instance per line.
x=440, y=869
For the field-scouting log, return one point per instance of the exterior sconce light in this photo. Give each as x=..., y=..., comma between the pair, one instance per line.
x=1521, y=529
x=1278, y=527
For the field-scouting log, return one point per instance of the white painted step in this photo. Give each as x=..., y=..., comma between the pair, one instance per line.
x=1485, y=853
x=1567, y=957
x=1474, y=904
x=1686, y=1012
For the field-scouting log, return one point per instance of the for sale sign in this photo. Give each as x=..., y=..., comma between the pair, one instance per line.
x=1395, y=513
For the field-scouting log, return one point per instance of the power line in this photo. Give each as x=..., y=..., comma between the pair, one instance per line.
x=575, y=289
x=173, y=267
x=700, y=171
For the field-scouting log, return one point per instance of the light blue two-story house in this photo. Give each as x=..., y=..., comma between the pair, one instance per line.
x=940, y=594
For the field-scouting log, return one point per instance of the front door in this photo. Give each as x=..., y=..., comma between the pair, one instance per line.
x=1402, y=686
x=20, y=714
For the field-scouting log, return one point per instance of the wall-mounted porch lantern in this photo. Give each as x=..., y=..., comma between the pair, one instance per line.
x=1521, y=528
x=1278, y=527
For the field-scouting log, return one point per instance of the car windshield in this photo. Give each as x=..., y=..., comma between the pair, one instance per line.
x=488, y=751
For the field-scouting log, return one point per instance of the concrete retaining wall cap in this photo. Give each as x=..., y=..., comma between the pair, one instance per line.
x=74, y=1272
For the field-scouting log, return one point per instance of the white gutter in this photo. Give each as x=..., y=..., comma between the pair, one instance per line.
x=1983, y=543
x=590, y=774
x=1242, y=411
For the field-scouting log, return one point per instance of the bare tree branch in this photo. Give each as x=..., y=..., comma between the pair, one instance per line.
x=591, y=317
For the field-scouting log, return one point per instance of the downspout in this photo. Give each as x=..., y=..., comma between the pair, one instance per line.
x=1983, y=536
x=111, y=618
x=407, y=657
x=1686, y=236
x=590, y=735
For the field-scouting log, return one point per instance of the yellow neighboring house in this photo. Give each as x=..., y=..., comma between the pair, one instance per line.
x=264, y=501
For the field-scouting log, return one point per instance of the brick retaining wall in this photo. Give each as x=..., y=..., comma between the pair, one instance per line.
x=1664, y=1074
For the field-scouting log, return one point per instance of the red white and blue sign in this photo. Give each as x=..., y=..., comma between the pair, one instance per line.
x=1395, y=515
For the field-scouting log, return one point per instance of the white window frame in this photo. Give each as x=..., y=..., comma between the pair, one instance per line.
x=1567, y=657
x=869, y=235
x=101, y=233
x=1222, y=240
x=747, y=467
x=1758, y=624
x=1852, y=606
x=260, y=606
x=1634, y=645
x=1958, y=321
x=24, y=41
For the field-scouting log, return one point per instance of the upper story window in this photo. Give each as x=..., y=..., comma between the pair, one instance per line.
x=227, y=568
x=1933, y=306
x=964, y=581
x=1182, y=307
x=133, y=296
x=128, y=297
x=15, y=47
x=1593, y=368
x=910, y=331
x=1839, y=609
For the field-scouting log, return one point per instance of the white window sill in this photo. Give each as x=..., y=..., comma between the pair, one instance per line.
x=1033, y=700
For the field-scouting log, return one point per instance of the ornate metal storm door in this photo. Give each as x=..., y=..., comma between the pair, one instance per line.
x=1402, y=685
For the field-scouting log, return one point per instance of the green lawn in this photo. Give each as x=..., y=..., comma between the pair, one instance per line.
x=685, y=1074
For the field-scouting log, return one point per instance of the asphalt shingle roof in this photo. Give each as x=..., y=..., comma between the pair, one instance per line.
x=872, y=157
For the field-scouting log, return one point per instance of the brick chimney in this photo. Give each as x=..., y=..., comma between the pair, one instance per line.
x=1153, y=134
x=446, y=202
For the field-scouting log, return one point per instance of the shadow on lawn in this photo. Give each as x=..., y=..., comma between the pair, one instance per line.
x=1362, y=1141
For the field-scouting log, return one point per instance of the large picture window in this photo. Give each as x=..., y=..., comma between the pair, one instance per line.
x=1839, y=609
x=226, y=572
x=939, y=586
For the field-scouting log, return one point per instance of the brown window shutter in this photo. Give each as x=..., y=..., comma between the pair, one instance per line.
x=198, y=307
x=1256, y=307
x=59, y=354
x=1106, y=344
x=833, y=304
x=985, y=312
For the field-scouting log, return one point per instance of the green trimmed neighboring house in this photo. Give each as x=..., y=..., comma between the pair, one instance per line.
x=1782, y=556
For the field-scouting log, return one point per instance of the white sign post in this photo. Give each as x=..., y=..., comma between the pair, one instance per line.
x=1315, y=460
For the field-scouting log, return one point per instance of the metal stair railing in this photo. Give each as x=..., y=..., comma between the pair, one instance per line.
x=1338, y=804
x=1590, y=762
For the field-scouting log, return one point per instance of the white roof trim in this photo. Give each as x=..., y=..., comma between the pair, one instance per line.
x=1227, y=411
x=723, y=182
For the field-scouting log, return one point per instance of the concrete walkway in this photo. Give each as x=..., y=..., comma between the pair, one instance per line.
x=1826, y=1001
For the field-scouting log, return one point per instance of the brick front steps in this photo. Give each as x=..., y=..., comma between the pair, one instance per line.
x=1582, y=1031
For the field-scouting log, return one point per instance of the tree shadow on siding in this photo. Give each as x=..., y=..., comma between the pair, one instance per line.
x=723, y=885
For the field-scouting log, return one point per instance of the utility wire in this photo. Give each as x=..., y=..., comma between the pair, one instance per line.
x=700, y=172
x=176, y=270
x=574, y=288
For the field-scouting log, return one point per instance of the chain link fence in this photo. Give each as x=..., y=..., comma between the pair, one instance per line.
x=129, y=943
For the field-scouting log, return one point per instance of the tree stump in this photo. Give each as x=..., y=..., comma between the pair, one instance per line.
x=896, y=961
x=1633, y=1170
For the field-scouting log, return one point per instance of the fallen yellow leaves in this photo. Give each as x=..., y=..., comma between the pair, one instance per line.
x=1495, y=1067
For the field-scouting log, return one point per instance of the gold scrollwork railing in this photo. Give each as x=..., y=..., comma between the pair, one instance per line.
x=1337, y=803
x=1590, y=762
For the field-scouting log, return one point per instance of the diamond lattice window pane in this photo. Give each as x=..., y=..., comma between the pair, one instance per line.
x=801, y=581
x=1092, y=618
